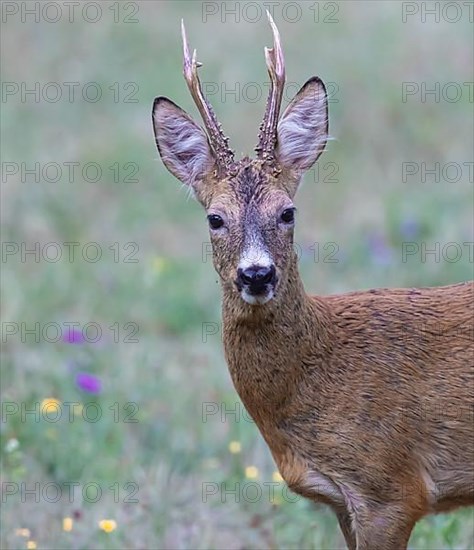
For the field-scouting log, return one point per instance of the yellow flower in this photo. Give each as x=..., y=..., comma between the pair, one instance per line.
x=108, y=525
x=251, y=472
x=50, y=405
x=277, y=500
x=235, y=447
x=158, y=265
x=23, y=532
x=67, y=524
x=277, y=477
x=31, y=545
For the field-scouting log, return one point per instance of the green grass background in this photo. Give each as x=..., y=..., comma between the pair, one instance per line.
x=172, y=372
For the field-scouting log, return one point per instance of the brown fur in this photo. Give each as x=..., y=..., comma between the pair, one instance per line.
x=374, y=390
x=366, y=399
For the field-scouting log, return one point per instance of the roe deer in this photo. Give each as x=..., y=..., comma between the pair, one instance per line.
x=360, y=409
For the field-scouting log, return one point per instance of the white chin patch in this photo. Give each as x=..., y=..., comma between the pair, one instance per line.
x=256, y=300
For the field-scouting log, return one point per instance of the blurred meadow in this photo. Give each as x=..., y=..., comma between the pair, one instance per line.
x=120, y=426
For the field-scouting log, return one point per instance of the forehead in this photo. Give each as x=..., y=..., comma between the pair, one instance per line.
x=254, y=185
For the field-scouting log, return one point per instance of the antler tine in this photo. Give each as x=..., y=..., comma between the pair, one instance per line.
x=276, y=69
x=219, y=142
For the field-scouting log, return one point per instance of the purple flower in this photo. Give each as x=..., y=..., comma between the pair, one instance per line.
x=88, y=383
x=73, y=336
x=409, y=228
x=380, y=251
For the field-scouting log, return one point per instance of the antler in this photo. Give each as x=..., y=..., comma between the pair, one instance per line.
x=276, y=69
x=219, y=142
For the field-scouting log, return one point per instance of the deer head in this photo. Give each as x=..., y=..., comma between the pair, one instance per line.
x=249, y=203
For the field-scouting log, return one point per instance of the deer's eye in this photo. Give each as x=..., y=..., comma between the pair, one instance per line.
x=288, y=215
x=215, y=221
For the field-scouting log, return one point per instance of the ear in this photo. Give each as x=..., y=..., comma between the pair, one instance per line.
x=182, y=144
x=303, y=128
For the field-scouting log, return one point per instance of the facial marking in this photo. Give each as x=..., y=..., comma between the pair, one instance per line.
x=251, y=203
x=256, y=276
x=257, y=300
x=254, y=254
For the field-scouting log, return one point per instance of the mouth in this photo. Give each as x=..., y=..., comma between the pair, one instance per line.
x=257, y=299
x=258, y=294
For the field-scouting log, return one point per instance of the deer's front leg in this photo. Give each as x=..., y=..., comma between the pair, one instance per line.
x=345, y=524
x=388, y=528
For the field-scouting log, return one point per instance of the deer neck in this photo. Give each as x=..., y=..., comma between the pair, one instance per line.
x=266, y=346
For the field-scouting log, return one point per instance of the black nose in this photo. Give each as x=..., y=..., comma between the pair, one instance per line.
x=256, y=277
